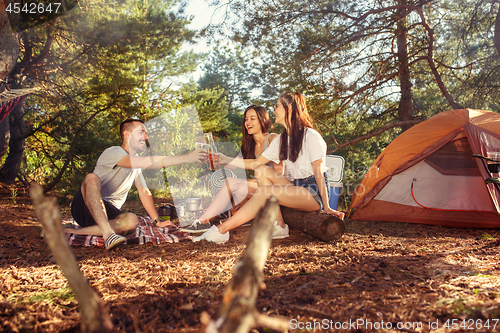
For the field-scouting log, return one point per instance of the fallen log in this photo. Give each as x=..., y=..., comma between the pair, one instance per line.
x=237, y=313
x=318, y=224
x=93, y=312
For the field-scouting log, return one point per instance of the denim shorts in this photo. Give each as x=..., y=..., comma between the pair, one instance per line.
x=310, y=184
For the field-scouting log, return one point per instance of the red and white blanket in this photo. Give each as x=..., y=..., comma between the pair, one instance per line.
x=144, y=233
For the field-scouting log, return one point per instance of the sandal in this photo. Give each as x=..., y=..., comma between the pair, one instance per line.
x=113, y=241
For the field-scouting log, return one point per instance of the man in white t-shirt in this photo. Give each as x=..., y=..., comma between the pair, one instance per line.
x=97, y=204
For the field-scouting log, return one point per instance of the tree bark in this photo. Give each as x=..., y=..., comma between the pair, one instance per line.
x=4, y=136
x=237, y=312
x=9, y=41
x=496, y=37
x=94, y=314
x=17, y=126
x=9, y=52
x=318, y=224
x=17, y=123
x=405, y=109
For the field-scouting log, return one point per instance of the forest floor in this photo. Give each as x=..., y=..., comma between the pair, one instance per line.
x=411, y=277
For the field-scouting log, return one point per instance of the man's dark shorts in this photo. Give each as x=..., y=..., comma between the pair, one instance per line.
x=82, y=215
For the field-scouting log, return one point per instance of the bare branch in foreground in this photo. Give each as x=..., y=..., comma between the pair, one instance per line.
x=94, y=315
x=237, y=312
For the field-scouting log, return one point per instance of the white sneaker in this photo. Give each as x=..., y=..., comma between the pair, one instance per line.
x=280, y=232
x=213, y=235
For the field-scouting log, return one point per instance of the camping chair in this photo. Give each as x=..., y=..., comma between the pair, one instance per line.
x=493, y=167
x=335, y=165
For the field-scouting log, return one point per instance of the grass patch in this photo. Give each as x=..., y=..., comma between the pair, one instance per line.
x=458, y=305
x=487, y=236
x=13, y=195
x=426, y=249
x=51, y=296
x=485, y=275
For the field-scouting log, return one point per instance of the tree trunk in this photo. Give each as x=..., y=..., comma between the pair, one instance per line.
x=9, y=41
x=9, y=52
x=405, y=109
x=496, y=37
x=17, y=125
x=4, y=136
x=94, y=314
x=318, y=224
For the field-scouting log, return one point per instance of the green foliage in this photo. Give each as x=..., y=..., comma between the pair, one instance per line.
x=344, y=57
x=174, y=133
x=107, y=65
x=233, y=71
x=346, y=67
x=210, y=104
x=468, y=51
x=103, y=66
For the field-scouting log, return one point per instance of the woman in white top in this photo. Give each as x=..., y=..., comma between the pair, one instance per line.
x=303, y=151
x=256, y=128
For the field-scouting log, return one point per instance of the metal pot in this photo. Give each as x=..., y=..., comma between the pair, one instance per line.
x=181, y=208
x=193, y=204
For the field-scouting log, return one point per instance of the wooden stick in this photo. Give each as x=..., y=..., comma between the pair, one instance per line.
x=274, y=323
x=94, y=314
x=237, y=313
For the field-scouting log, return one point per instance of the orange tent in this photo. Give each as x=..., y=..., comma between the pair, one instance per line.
x=428, y=174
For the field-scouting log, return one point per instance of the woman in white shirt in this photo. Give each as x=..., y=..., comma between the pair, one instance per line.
x=303, y=151
x=257, y=136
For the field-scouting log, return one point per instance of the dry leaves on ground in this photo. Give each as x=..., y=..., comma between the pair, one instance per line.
x=379, y=275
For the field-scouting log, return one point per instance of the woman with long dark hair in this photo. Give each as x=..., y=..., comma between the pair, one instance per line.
x=303, y=151
x=256, y=128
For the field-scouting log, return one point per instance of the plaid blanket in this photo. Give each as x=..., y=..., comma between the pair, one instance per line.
x=144, y=233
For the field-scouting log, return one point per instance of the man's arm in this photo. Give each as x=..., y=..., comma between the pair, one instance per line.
x=158, y=162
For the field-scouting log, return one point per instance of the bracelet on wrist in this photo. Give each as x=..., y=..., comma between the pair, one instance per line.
x=158, y=219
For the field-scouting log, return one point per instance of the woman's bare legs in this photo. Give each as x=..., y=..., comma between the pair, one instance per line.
x=288, y=195
x=240, y=188
x=267, y=176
